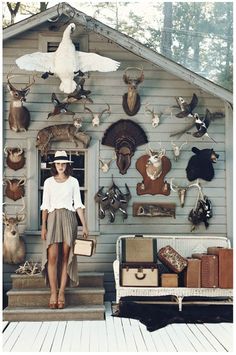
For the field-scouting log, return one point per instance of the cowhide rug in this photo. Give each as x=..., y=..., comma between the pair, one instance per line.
x=156, y=316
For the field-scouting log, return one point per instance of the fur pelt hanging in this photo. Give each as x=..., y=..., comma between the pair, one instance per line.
x=124, y=136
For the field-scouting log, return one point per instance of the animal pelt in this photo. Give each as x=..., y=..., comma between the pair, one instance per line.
x=200, y=166
x=126, y=106
x=156, y=316
x=125, y=136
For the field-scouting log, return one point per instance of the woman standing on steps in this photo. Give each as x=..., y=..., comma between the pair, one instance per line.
x=61, y=201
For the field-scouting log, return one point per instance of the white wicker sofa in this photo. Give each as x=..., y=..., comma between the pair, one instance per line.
x=185, y=245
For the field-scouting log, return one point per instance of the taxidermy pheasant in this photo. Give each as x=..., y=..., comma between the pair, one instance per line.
x=66, y=62
x=186, y=108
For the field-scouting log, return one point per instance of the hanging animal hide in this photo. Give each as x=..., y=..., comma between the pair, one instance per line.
x=124, y=136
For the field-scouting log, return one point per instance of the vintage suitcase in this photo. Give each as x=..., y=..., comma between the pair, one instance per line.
x=169, y=280
x=225, y=256
x=84, y=247
x=139, y=249
x=145, y=275
x=192, y=274
x=209, y=269
x=173, y=260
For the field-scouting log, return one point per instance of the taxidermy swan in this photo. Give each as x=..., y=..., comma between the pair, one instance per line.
x=66, y=62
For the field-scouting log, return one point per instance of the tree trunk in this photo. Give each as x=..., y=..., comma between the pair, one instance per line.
x=14, y=11
x=166, y=34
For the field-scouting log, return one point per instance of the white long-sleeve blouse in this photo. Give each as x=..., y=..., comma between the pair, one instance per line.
x=61, y=195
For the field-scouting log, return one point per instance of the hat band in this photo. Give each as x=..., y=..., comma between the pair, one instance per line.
x=61, y=158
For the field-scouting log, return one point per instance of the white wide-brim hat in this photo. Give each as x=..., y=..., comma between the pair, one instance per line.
x=61, y=157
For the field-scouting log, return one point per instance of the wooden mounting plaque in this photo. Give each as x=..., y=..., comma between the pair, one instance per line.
x=153, y=209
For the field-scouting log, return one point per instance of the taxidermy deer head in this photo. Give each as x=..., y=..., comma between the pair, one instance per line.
x=105, y=165
x=96, y=116
x=154, y=163
x=13, y=245
x=19, y=116
x=131, y=100
x=182, y=190
x=15, y=157
x=15, y=188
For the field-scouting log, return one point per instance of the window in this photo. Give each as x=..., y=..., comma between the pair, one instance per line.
x=79, y=172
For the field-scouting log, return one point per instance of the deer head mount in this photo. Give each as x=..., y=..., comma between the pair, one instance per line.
x=19, y=116
x=15, y=188
x=15, y=157
x=97, y=116
x=13, y=244
x=131, y=99
x=153, y=167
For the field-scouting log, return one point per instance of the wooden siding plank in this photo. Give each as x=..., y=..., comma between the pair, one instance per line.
x=205, y=343
x=27, y=337
x=139, y=340
x=221, y=335
x=15, y=334
x=59, y=337
x=148, y=340
x=76, y=336
x=85, y=337
x=39, y=340
x=214, y=342
x=49, y=338
x=162, y=341
x=120, y=336
x=8, y=331
x=130, y=339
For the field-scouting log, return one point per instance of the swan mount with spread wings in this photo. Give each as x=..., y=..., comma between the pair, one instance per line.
x=66, y=62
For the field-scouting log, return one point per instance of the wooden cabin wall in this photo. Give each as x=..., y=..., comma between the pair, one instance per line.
x=159, y=90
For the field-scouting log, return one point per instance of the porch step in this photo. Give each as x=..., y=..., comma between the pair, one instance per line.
x=39, y=297
x=81, y=312
x=86, y=279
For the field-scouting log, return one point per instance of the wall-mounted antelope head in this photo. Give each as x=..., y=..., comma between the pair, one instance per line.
x=105, y=165
x=154, y=163
x=182, y=190
x=13, y=244
x=97, y=116
x=131, y=99
x=177, y=150
x=15, y=157
x=19, y=116
x=155, y=117
x=15, y=188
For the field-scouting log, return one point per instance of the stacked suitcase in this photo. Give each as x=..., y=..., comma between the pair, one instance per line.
x=139, y=266
x=139, y=262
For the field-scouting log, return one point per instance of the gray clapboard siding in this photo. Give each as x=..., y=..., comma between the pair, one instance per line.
x=159, y=89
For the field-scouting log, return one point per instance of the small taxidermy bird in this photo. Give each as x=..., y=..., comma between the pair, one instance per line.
x=80, y=94
x=59, y=107
x=66, y=62
x=202, y=125
x=186, y=109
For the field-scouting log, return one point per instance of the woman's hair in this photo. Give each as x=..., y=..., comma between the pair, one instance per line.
x=68, y=170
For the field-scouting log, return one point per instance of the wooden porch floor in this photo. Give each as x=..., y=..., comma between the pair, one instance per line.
x=115, y=335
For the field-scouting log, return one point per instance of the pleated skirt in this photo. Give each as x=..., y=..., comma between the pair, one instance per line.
x=61, y=227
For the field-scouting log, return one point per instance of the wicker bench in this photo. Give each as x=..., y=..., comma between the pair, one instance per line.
x=185, y=245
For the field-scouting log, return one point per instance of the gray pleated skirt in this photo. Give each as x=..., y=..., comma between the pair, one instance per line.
x=61, y=227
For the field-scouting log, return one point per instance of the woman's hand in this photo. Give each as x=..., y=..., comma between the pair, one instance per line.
x=85, y=232
x=43, y=233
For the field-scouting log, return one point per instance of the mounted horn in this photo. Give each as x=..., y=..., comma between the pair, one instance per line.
x=131, y=99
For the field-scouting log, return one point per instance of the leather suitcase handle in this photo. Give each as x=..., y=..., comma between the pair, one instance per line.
x=140, y=277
